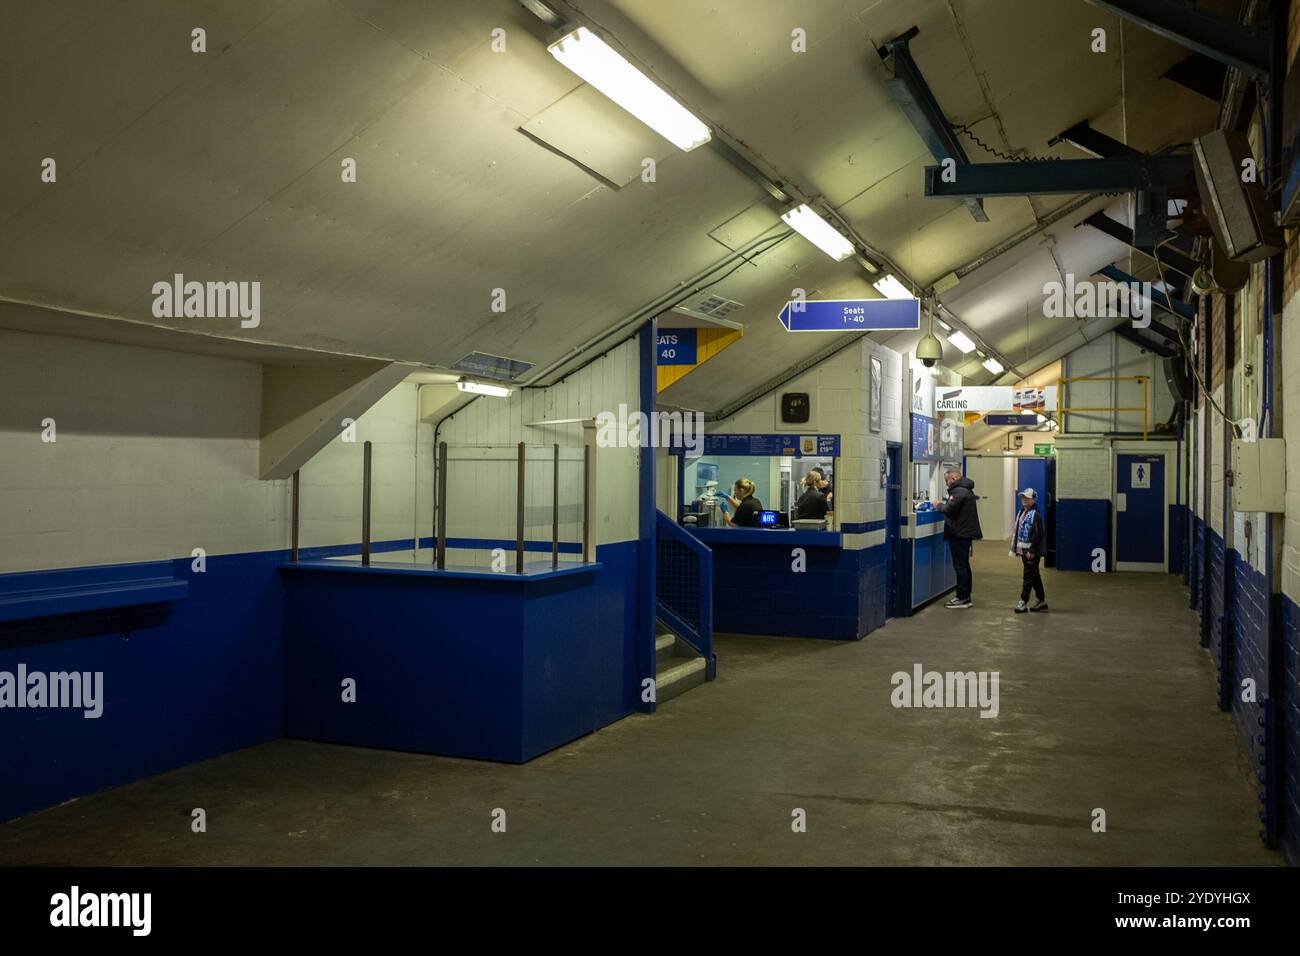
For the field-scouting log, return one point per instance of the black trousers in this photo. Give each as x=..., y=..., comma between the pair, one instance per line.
x=1033, y=580
x=960, y=548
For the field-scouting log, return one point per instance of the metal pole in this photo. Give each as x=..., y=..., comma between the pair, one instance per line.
x=555, y=510
x=365, y=505
x=519, y=512
x=586, y=503
x=294, y=553
x=440, y=546
x=1145, y=405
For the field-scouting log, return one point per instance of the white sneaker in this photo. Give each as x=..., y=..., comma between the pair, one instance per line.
x=1022, y=607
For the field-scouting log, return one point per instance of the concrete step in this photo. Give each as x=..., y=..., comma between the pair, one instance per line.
x=677, y=676
x=665, y=646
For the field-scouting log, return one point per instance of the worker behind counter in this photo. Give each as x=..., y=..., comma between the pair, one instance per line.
x=812, y=503
x=746, y=507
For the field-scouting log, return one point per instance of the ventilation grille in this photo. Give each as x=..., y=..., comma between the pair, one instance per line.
x=716, y=307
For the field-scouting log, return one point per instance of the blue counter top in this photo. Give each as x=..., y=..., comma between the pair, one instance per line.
x=781, y=537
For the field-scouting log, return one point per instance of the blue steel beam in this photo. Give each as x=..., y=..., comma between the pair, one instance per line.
x=913, y=95
x=1175, y=307
x=1173, y=255
x=1221, y=39
x=1070, y=177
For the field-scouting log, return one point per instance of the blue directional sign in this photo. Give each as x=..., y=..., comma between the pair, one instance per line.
x=677, y=346
x=1021, y=420
x=851, y=315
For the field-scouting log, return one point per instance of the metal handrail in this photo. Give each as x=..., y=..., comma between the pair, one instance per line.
x=1062, y=411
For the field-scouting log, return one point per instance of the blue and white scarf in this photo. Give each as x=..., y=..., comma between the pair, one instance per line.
x=1025, y=528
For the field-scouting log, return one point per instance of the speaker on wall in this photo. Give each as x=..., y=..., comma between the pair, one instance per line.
x=1235, y=202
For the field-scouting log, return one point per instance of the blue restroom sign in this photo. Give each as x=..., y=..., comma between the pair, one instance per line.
x=676, y=346
x=851, y=315
x=1141, y=476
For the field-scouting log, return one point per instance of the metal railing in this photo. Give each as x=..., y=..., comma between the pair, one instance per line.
x=1146, y=401
x=684, y=587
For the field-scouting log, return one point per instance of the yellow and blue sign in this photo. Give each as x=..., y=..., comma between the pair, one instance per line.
x=677, y=346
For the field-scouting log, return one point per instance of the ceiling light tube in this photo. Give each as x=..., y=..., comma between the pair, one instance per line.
x=891, y=288
x=805, y=221
x=482, y=388
x=600, y=65
x=962, y=341
x=993, y=365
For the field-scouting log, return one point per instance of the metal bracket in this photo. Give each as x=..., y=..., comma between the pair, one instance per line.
x=1234, y=44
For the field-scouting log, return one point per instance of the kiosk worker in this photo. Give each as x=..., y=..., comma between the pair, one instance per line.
x=812, y=503
x=747, y=508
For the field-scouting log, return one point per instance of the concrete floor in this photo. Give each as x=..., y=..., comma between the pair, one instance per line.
x=1107, y=701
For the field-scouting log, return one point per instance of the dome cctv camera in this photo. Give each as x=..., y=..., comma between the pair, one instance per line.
x=929, y=350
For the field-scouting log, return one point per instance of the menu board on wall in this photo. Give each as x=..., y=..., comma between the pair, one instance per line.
x=935, y=440
x=771, y=446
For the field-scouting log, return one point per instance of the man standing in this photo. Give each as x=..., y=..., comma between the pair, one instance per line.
x=961, y=529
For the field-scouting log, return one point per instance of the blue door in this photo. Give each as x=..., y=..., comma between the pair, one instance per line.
x=1140, y=511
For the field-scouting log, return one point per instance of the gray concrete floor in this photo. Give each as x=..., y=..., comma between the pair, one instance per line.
x=1106, y=701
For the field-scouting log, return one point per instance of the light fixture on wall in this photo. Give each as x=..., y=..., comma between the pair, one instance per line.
x=962, y=341
x=482, y=388
x=891, y=288
x=993, y=365
x=805, y=221
x=600, y=65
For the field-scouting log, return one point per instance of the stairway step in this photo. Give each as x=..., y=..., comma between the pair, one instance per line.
x=679, y=677
x=665, y=647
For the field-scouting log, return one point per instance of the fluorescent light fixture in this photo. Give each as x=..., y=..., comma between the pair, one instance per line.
x=962, y=341
x=803, y=220
x=943, y=325
x=482, y=388
x=891, y=288
x=993, y=365
x=603, y=67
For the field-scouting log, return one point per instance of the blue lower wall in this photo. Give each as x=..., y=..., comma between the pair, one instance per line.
x=182, y=682
x=840, y=596
x=204, y=675
x=1082, y=525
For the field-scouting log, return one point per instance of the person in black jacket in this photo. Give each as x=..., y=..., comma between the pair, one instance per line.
x=961, y=529
x=1027, y=544
x=812, y=503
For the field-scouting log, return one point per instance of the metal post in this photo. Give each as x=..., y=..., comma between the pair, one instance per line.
x=440, y=546
x=1145, y=405
x=519, y=512
x=555, y=510
x=586, y=503
x=365, y=505
x=293, y=556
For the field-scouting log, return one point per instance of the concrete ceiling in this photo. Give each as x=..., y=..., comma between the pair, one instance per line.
x=226, y=166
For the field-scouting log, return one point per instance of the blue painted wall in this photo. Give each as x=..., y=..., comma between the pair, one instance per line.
x=188, y=681
x=1081, y=526
x=841, y=595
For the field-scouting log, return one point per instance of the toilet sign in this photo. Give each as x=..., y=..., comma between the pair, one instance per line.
x=1141, y=477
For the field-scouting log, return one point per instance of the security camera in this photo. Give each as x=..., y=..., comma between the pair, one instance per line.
x=929, y=350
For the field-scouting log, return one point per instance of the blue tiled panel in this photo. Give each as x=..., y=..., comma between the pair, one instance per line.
x=1250, y=598
x=1196, y=567
x=1289, y=745
x=1177, y=538
x=1082, y=525
x=183, y=682
x=840, y=596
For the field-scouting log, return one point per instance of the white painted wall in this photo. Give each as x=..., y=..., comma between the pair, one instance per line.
x=839, y=388
x=157, y=454
x=485, y=500
x=1111, y=355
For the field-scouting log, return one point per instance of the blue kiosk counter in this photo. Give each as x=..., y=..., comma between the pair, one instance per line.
x=459, y=662
x=795, y=583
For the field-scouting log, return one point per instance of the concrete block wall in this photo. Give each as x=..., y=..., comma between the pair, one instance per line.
x=1113, y=356
x=156, y=454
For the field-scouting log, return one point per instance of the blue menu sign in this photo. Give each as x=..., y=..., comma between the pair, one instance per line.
x=770, y=446
x=851, y=315
x=677, y=346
